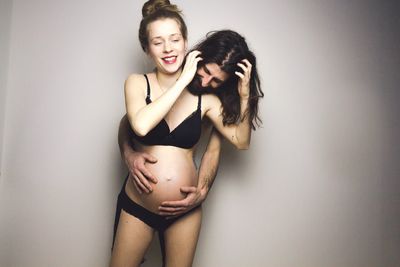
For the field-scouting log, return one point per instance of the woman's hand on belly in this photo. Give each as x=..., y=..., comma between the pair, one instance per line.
x=174, y=169
x=138, y=172
x=177, y=207
x=168, y=189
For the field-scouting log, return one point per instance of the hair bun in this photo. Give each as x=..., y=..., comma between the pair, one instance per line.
x=152, y=6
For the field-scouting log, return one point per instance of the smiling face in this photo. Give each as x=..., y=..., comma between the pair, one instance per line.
x=166, y=45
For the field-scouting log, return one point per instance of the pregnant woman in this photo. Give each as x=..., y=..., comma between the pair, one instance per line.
x=165, y=109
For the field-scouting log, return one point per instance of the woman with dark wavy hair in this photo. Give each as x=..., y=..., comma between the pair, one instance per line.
x=165, y=109
x=226, y=49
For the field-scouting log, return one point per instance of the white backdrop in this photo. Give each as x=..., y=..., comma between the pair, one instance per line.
x=318, y=187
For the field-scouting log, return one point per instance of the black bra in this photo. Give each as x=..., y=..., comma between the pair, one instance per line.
x=185, y=135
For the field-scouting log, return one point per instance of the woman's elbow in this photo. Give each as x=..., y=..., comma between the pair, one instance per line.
x=243, y=146
x=139, y=132
x=137, y=127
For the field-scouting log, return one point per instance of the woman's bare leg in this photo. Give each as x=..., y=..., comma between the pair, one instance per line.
x=132, y=239
x=181, y=240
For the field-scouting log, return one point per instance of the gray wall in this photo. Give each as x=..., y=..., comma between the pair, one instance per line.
x=318, y=187
x=5, y=26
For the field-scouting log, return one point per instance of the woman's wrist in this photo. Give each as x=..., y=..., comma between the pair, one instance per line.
x=182, y=82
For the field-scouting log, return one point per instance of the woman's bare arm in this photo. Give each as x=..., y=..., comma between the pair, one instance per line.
x=238, y=134
x=142, y=117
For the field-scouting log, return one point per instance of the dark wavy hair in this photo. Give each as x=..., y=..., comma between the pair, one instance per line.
x=226, y=48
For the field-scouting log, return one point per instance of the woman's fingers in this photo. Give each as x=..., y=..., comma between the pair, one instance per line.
x=190, y=58
x=188, y=189
x=149, y=158
x=135, y=181
x=193, y=58
x=138, y=183
x=198, y=59
x=243, y=67
x=147, y=175
x=248, y=64
x=143, y=182
x=175, y=204
x=194, y=53
x=241, y=76
x=171, y=209
x=244, y=75
x=190, y=68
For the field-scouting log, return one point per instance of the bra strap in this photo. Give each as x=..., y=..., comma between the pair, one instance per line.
x=148, y=100
x=199, y=102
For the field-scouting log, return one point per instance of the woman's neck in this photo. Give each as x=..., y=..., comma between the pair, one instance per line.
x=166, y=81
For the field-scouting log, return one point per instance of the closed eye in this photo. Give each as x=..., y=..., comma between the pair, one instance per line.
x=206, y=70
x=218, y=81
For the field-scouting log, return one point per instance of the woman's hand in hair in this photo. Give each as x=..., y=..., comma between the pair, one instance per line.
x=244, y=79
x=190, y=68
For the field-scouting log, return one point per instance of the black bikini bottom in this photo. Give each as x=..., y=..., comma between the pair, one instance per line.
x=155, y=221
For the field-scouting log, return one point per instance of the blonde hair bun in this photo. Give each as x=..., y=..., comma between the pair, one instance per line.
x=152, y=6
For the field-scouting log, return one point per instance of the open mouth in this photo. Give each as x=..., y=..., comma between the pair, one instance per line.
x=169, y=60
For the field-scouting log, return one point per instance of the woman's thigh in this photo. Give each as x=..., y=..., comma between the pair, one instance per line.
x=181, y=239
x=132, y=239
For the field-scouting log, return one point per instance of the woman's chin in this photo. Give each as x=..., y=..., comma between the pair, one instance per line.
x=171, y=68
x=169, y=71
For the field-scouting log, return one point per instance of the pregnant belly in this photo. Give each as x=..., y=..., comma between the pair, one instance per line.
x=174, y=168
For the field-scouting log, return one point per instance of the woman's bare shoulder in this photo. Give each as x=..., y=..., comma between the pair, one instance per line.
x=136, y=82
x=135, y=78
x=211, y=101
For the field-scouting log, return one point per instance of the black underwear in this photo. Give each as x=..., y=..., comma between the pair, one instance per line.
x=155, y=221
